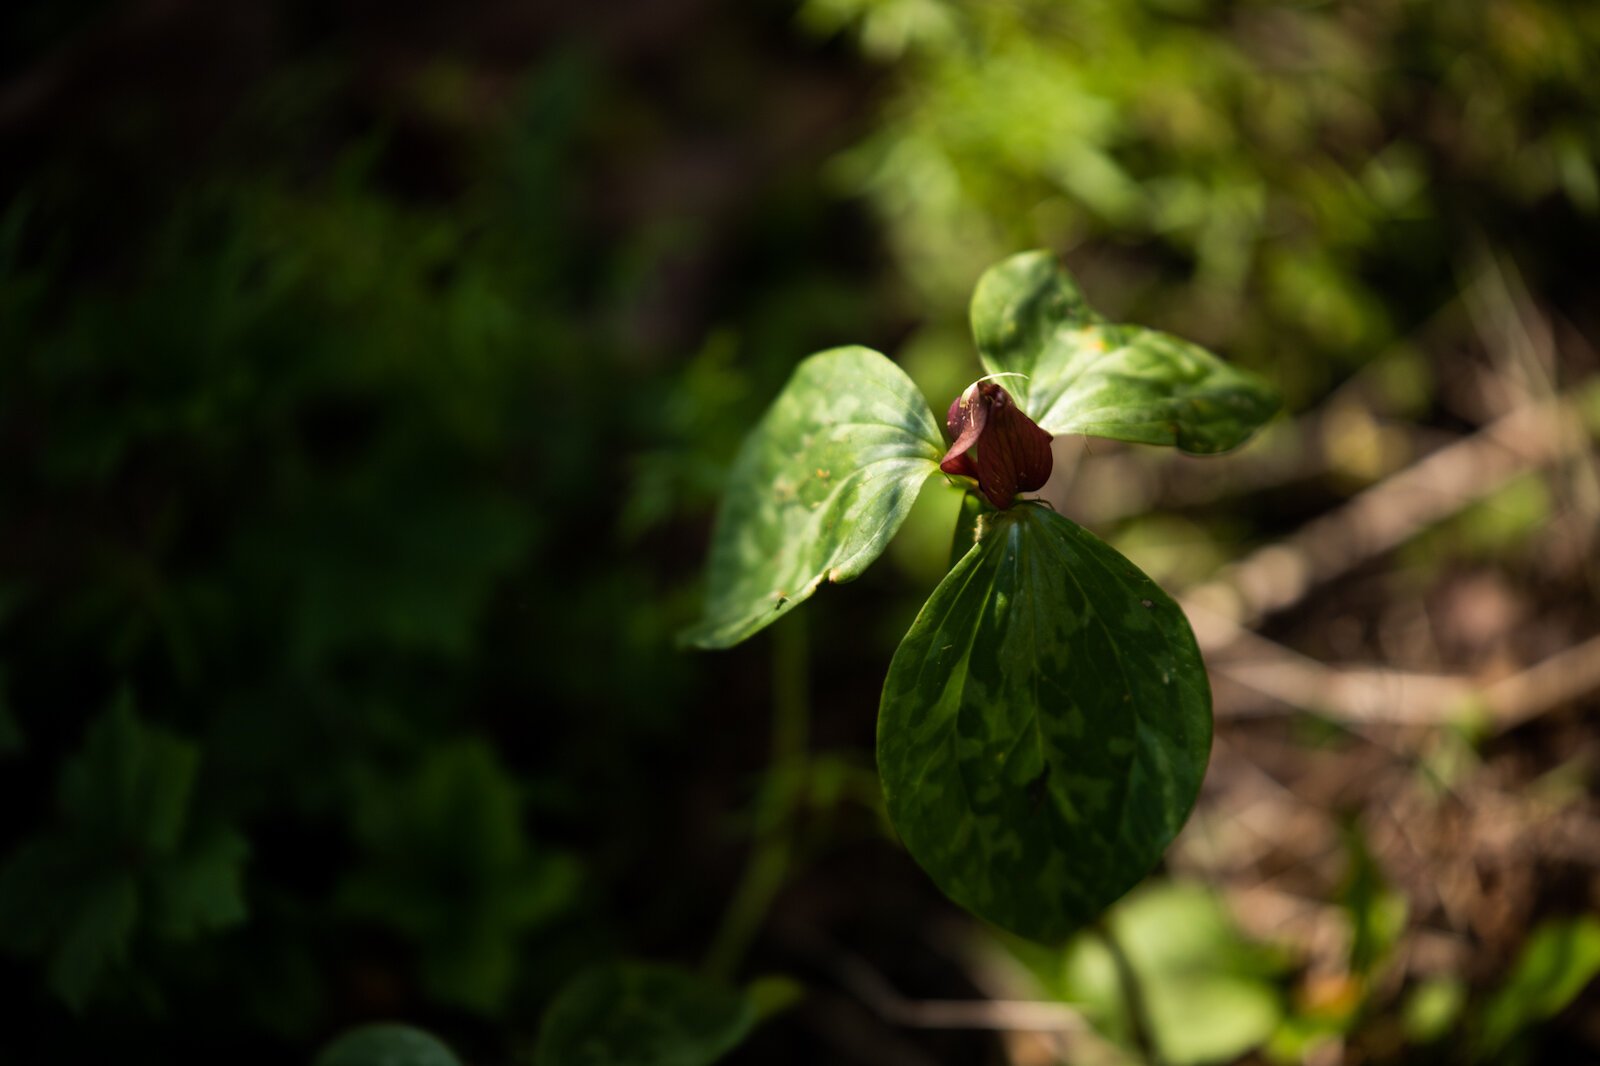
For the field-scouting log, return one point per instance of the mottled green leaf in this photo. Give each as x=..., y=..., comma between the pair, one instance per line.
x=1045, y=726
x=386, y=1044
x=634, y=1014
x=1084, y=375
x=817, y=491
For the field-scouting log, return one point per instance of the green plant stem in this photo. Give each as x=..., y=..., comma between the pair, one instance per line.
x=966, y=528
x=772, y=851
x=1133, y=1000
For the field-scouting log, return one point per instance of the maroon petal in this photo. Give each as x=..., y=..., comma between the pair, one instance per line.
x=997, y=444
x=1013, y=456
x=969, y=413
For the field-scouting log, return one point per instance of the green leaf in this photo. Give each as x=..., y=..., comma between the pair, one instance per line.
x=1209, y=994
x=1044, y=727
x=449, y=866
x=97, y=937
x=773, y=994
x=386, y=1044
x=1559, y=959
x=1433, y=1008
x=126, y=858
x=131, y=784
x=817, y=491
x=965, y=535
x=634, y=1014
x=201, y=889
x=1084, y=375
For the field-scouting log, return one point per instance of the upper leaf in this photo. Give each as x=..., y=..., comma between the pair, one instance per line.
x=634, y=1014
x=1085, y=375
x=1045, y=726
x=820, y=487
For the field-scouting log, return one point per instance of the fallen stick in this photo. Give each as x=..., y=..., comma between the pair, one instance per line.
x=1391, y=512
x=1385, y=696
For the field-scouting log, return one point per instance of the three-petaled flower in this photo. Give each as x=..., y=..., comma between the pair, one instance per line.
x=997, y=444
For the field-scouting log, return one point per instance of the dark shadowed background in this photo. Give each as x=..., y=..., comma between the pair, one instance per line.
x=367, y=377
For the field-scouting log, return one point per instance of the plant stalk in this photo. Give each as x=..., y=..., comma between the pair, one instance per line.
x=1133, y=1001
x=772, y=851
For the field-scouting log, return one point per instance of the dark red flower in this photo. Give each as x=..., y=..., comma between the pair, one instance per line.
x=997, y=444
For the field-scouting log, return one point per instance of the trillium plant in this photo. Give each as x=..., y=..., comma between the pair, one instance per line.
x=1046, y=721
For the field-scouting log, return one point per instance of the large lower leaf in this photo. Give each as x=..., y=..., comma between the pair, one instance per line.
x=1045, y=726
x=817, y=492
x=636, y=1014
x=1084, y=375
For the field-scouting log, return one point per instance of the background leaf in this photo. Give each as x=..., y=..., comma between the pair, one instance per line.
x=1044, y=727
x=386, y=1044
x=1210, y=994
x=818, y=490
x=1087, y=376
x=633, y=1014
x=1559, y=959
x=124, y=855
x=449, y=867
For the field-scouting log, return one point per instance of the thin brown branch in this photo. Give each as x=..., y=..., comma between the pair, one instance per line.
x=1391, y=512
x=1381, y=695
x=1563, y=677
x=858, y=977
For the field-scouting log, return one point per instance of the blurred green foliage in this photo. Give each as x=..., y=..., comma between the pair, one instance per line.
x=288, y=467
x=386, y=1044
x=1295, y=185
x=347, y=510
x=640, y=1014
x=449, y=867
x=1208, y=994
x=130, y=856
x=1559, y=959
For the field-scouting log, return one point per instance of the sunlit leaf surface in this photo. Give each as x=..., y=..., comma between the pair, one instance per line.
x=1080, y=374
x=818, y=490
